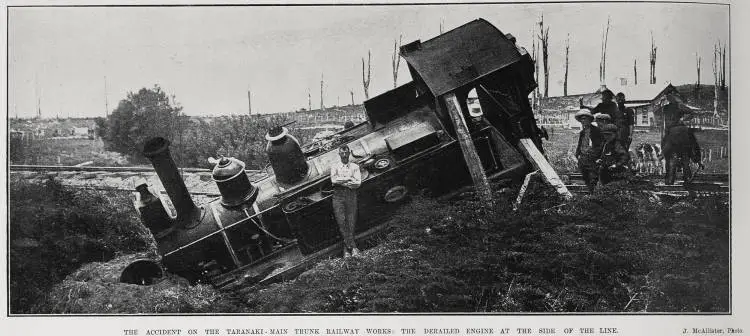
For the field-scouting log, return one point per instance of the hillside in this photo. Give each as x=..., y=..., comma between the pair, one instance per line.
x=704, y=97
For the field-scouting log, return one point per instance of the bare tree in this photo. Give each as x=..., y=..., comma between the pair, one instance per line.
x=249, y=103
x=635, y=72
x=366, y=79
x=717, y=76
x=396, y=60
x=724, y=67
x=322, y=107
x=309, y=100
x=567, y=62
x=603, y=62
x=652, y=60
x=698, y=83
x=535, y=59
x=544, y=38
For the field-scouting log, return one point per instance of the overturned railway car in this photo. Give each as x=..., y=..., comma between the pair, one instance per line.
x=276, y=227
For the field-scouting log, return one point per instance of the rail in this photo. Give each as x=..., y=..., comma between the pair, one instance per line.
x=107, y=169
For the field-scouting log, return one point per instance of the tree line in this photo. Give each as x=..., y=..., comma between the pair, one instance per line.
x=540, y=44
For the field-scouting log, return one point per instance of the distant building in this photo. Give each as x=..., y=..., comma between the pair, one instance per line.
x=80, y=131
x=646, y=100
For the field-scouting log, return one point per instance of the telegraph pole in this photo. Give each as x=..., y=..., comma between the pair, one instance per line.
x=38, y=97
x=321, y=92
x=249, y=103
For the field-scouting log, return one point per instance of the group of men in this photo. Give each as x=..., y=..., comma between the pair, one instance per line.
x=602, y=150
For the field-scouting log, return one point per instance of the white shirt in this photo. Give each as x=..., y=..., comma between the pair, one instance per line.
x=347, y=175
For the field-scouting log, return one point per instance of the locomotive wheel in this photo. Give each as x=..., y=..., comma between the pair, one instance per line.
x=381, y=164
x=294, y=206
x=142, y=272
x=396, y=194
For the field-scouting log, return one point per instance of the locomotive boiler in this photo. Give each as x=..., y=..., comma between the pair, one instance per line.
x=273, y=228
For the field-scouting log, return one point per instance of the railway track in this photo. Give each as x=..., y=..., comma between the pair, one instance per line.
x=199, y=181
x=701, y=184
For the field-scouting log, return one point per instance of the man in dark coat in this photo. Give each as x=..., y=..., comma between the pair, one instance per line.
x=589, y=140
x=678, y=143
x=675, y=113
x=627, y=124
x=607, y=106
x=679, y=148
x=613, y=160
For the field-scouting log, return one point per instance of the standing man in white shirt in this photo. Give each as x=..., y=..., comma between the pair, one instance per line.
x=346, y=178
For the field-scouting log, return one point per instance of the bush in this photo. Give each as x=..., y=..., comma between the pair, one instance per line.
x=242, y=137
x=139, y=117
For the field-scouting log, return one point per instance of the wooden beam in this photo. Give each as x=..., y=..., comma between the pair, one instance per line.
x=473, y=163
x=522, y=192
x=528, y=148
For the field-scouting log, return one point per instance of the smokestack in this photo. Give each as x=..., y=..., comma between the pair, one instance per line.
x=157, y=150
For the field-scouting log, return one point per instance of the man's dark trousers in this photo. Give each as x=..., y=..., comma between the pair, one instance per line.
x=587, y=167
x=345, y=211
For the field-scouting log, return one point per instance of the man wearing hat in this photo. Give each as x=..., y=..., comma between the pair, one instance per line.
x=602, y=120
x=589, y=140
x=614, y=158
x=607, y=106
x=346, y=178
x=675, y=113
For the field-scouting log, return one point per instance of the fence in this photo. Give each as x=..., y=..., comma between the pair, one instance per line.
x=712, y=153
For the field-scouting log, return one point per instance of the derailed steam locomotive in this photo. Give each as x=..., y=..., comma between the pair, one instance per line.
x=276, y=227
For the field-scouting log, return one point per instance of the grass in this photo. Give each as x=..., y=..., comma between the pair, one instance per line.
x=54, y=230
x=95, y=289
x=619, y=250
x=68, y=152
x=561, y=148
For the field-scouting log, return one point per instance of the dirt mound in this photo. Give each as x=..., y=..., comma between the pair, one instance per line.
x=95, y=288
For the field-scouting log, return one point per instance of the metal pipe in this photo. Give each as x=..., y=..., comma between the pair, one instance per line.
x=157, y=150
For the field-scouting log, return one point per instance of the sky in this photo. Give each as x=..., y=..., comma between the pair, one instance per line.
x=74, y=59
